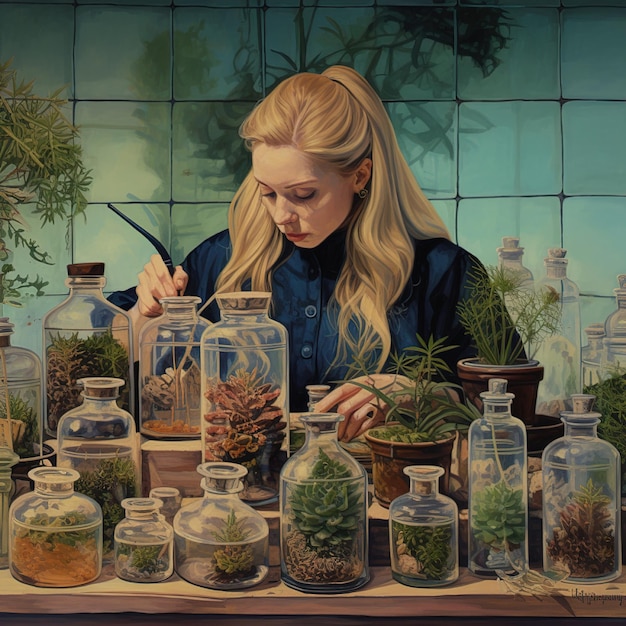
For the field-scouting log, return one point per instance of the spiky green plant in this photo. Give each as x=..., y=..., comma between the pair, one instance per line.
x=233, y=559
x=429, y=545
x=325, y=508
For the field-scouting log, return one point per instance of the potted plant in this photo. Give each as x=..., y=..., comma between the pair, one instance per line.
x=41, y=169
x=507, y=322
x=423, y=415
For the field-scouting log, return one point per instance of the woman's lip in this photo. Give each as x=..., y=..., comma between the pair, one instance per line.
x=295, y=236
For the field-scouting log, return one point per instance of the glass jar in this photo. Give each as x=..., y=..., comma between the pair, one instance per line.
x=498, y=487
x=84, y=336
x=560, y=354
x=581, y=499
x=510, y=256
x=56, y=534
x=99, y=440
x=21, y=402
x=171, y=501
x=144, y=546
x=424, y=531
x=221, y=542
x=8, y=459
x=614, y=355
x=169, y=370
x=245, y=395
x=323, y=510
x=592, y=354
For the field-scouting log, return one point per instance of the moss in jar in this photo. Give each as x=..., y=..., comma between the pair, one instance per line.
x=25, y=429
x=327, y=519
x=70, y=358
x=141, y=562
x=108, y=484
x=56, y=555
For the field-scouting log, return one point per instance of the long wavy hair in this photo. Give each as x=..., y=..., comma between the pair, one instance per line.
x=337, y=120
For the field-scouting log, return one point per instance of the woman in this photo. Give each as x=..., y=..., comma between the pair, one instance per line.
x=331, y=220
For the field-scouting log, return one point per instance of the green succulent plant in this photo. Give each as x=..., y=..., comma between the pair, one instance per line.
x=232, y=560
x=326, y=509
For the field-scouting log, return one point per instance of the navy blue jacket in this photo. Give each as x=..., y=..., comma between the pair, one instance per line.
x=303, y=282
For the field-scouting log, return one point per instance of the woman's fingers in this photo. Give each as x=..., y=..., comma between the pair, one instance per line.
x=336, y=396
x=362, y=419
x=155, y=283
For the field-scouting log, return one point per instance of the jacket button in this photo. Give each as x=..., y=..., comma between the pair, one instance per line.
x=307, y=351
x=313, y=273
x=310, y=311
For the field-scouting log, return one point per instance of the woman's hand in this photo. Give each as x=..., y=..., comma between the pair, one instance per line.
x=361, y=408
x=155, y=283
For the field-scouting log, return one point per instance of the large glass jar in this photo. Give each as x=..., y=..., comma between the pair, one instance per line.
x=21, y=402
x=220, y=541
x=245, y=395
x=323, y=510
x=56, y=534
x=99, y=440
x=144, y=546
x=8, y=459
x=560, y=354
x=592, y=354
x=84, y=336
x=614, y=354
x=581, y=499
x=424, y=531
x=169, y=370
x=498, y=487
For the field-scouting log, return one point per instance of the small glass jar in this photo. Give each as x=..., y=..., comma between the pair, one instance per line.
x=8, y=459
x=581, y=499
x=498, y=487
x=323, y=510
x=56, y=534
x=144, y=546
x=592, y=354
x=169, y=370
x=99, y=440
x=510, y=256
x=424, y=531
x=245, y=396
x=84, y=336
x=170, y=501
x=21, y=401
x=614, y=342
x=220, y=541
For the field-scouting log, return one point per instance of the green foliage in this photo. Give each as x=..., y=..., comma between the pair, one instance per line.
x=55, y=529
x=145, y=559
x=233, y=531
x=41, y=168
x=427, y=407
x=233, y=559
x=24, y=412
x=325, y=508
x=504, y=318
x=499, y=516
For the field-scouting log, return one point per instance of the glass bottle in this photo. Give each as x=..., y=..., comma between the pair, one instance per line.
x=221, y=542
x=144, y=546
x=169, y=370
x=56, y=533
x=171, y=501
x=245, y=395
x=581, y=499
x=560, y=354
x=498, y=487
x=323, y=510
x=510, y=256
x=21, y=402
x=84, y=336
x=592, y=354
x=614, y=357
x=8, y=459
x=424, y=531
x=99, y=440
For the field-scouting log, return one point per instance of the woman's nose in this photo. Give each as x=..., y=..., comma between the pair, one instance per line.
x=284, y=212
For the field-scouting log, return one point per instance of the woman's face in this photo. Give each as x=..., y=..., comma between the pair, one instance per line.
x=306, y=200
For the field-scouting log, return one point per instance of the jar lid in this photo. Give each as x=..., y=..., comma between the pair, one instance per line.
x=101, y=387
x=142, y=505
x=85, y=269
x=510, y=248
x=6, y=326
x=221, y=476
x=244, y=301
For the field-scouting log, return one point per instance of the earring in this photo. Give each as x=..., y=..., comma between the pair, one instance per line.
x=363, y=193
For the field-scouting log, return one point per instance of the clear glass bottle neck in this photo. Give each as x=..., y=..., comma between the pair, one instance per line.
x=321, y=430
x=576, y=425
x=497, y=409
x=424, y=488
x=83, y=285
x=180, y=311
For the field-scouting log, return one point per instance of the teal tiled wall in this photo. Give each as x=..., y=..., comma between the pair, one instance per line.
x=521, y=132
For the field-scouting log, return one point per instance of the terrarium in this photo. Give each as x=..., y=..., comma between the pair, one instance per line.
x=55, y=533
x=220, y=541
x=84, y=336
x=21, y=402
x=423, y=531
x=323, y=505
x=498, y=487
x=99, y=440
x=581, y=499
x=245, y=396
x=169, y=370
x=144, y=546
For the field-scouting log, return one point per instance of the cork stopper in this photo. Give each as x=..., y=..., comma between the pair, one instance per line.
x=85, y=269
x=101, y=387
x=510, y=248
x=244, y=301
x=582, y=402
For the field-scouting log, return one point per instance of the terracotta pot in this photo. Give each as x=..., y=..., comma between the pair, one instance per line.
x=523, y=381
x=389, y=458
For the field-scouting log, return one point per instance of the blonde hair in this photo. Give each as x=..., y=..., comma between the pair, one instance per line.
x=337, y=119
